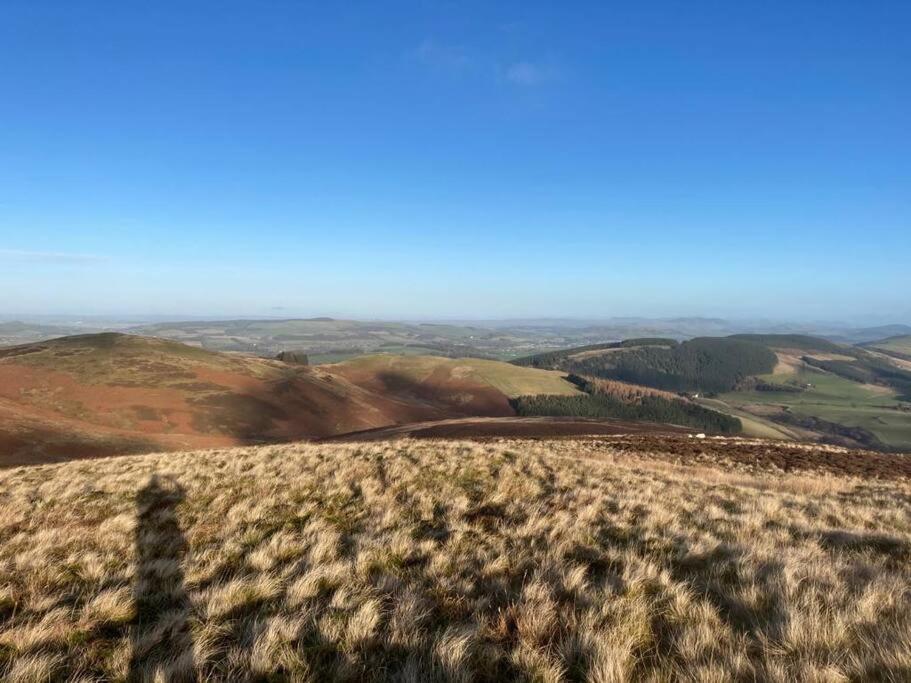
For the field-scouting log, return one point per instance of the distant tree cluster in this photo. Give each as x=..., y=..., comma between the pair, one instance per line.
x=648, y=408
x=778, y=388
x=756, y=384
x=293, y=357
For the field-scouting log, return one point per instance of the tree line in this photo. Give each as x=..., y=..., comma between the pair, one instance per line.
x=648, y=408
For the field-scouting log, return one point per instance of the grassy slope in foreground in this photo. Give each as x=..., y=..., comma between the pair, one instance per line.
x=453, y=561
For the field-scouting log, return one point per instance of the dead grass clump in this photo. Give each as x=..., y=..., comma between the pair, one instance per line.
x=521, y=560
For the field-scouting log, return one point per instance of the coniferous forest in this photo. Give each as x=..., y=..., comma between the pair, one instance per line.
x=705, y=364
x=650, y=408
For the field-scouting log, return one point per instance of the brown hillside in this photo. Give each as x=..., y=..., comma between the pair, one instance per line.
x=106, y=394
x=111, y=393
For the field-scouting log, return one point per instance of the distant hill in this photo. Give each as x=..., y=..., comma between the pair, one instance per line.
x=15, y=332
x=799, y=342
x=113, y=393
x=899, y=347
x=107, y=393
x=862, y=335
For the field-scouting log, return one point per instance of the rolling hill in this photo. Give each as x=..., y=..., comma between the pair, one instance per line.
x=462, y=382
x=111, y=393
x=899, y=347
x=788, y=386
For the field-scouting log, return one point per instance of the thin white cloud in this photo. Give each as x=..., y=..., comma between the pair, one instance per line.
x=48, y=256
x=529, y=73
x=440, y=56
x=455, y=59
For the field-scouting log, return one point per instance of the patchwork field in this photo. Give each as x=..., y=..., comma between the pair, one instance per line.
x=328, y=340
x=834, y=399
x=781, y=386
x=460, y=561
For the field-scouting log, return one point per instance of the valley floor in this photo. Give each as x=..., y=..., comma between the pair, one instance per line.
x=601, y=559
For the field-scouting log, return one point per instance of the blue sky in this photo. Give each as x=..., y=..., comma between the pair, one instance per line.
x=456, y=159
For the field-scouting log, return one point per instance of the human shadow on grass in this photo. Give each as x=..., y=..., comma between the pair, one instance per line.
x=162, y=644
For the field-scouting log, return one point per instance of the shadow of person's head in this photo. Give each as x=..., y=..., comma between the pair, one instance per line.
x=162, y=643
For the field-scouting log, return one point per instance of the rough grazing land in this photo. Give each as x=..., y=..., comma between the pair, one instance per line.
x=113, y=394
x=447, y=560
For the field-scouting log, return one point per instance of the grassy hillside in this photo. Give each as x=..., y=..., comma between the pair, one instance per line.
x=111, y=393
x=506, y=378
x=456, y=561
x=900, y=346
x=101, y=394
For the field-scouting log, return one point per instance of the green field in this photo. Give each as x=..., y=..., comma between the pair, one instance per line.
x=752, y=425
x=899, y=345
x=838, y=400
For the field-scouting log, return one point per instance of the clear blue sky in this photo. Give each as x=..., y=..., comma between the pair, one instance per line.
x=456, y=159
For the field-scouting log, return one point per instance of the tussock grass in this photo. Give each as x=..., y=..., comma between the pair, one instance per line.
x=457, y=561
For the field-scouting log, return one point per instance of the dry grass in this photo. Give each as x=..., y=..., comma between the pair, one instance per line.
x=452, y=561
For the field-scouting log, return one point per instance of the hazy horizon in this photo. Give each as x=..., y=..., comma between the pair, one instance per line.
x=479, y=160
x=557, y=320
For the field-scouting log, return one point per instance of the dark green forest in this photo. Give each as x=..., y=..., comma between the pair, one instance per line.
x=706, y=364
x=595, y=404
x=791, y=341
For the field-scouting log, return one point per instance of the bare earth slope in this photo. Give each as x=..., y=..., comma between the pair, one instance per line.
x=106, y=394
x=597, y=560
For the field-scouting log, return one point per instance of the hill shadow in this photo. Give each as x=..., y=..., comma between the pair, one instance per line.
x=161, y=640
x=446, y=398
